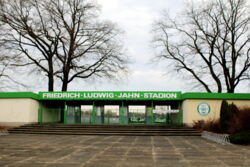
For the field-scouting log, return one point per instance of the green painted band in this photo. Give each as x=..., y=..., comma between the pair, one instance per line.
x=110, y=95
x=124, y=95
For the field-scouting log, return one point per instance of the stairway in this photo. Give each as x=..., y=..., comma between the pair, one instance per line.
x=121, y=130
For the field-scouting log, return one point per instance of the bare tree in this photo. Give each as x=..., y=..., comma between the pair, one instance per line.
x=87, y=46
x=30, y=35
x=7, y=81
x=63, y=38
x=5, y=60
x=3, y=66
x=208, y=42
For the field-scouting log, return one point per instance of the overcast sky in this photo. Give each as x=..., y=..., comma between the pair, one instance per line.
x=136, y=18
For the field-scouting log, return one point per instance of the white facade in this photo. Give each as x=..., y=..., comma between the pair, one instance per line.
x=18, y=111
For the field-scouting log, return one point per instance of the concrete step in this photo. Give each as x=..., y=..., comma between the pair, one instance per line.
x=98, y=131
x=103, y=126
x=102, y=133
x=141, y=130
x=102, y=129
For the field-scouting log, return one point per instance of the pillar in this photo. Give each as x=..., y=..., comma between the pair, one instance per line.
x=40, y=113
x=93, y=116
x=65, y=111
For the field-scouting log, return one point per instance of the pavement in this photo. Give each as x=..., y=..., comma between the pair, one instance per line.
x=20, y=150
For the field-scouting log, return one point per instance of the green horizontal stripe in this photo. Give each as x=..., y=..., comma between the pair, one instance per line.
x=19, y=95
x=226, y=96
x=151, y=95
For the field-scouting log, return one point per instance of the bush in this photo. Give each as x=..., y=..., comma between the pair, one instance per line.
x=199, y=124
x=240, y=138
x=210, y=125
x=3, y=128
x=240, y=121
x=227, y=112
x=224, y=114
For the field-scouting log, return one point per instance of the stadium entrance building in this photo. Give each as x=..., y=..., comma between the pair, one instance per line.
x=149, y=108
x=111, y=107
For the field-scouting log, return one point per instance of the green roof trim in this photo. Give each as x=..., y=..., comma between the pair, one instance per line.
x=124, y=95
x=7, y=95
x=220, y=96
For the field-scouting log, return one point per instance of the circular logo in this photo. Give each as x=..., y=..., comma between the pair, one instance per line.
x=203, y=109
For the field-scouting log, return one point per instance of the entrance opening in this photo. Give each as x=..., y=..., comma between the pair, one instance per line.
x=111, y=114
x=161, y=115
x=74, y=115
x=86, y=111
x=137, y=114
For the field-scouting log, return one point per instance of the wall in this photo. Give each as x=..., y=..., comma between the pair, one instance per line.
x=51, y=114
x=190, y=112
x=18, y=111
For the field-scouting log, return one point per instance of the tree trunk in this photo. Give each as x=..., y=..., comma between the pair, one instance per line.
x=230, y=90
x=65, y=81
x=51, y=83
x=64, y=86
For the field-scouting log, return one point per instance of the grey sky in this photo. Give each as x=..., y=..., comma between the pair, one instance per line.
x=136, y=18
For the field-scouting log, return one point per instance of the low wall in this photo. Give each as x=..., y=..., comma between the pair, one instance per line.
x=18, y=111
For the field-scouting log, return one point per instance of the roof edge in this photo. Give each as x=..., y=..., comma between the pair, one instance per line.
x=184, y=96
x=7, y=95
x=221, y=96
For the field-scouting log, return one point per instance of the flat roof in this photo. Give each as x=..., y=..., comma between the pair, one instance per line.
x=124, y=95
x=7, y=95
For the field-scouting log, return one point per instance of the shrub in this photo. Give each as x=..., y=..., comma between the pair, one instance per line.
x=240, y=138
x=210, y=125
x=199, y=124
x=223, y=114
x=3, y=127
x=227, y=112
x=240, y=121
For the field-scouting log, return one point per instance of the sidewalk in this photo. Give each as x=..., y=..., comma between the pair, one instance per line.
x=112, y=151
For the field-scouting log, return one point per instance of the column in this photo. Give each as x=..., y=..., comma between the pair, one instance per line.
x=93, y=116
x=121, y=114
x=40, y=113
x=65, y=111
x=149, y=114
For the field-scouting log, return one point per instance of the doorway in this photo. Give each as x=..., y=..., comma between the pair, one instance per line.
x=137, y=114
x=74, y=115
x=111, y=114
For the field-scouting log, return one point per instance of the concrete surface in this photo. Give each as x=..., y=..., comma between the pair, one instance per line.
x=118, y=151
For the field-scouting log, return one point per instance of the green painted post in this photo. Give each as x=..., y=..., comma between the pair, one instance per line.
x=122, y=115
x=93, y=117
x=65, y=111
x=40, y=113
x=151, y=112
x=180, y=114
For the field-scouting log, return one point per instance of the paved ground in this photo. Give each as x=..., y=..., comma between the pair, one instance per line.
x=112, y=151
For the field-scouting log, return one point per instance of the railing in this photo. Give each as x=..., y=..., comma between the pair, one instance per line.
x=219, y=138
x=4, y=132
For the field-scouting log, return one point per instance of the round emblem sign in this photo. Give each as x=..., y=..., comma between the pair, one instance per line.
x=203, y=109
